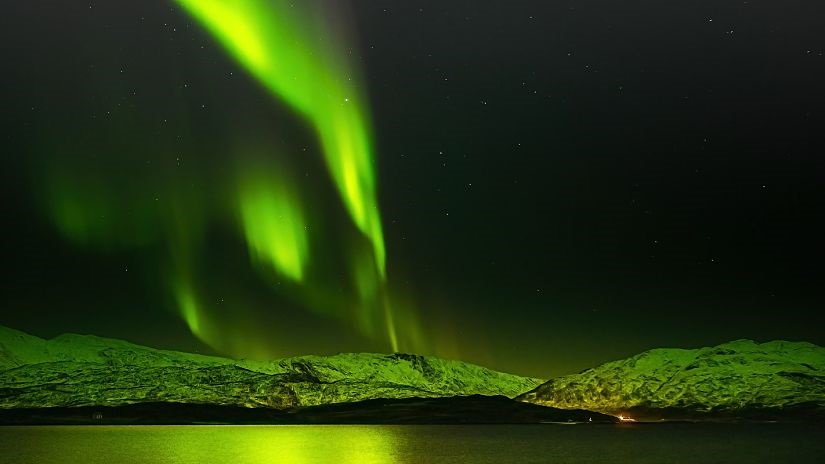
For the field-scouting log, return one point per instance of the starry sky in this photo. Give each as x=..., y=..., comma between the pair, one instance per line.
x=556, y=184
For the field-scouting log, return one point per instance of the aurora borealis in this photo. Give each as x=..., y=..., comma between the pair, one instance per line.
x=297, y=59
x=536, y=187
x=293, y=53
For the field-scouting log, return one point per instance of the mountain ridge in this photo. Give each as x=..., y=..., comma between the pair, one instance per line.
x=737, y=378
x=73, y=370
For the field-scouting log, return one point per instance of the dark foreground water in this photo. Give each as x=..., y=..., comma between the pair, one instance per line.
x=670, y=443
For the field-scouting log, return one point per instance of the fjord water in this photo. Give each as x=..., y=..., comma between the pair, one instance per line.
x=637, y=443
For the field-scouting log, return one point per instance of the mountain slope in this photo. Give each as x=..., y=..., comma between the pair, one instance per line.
x=740, y=378
x=77, y=370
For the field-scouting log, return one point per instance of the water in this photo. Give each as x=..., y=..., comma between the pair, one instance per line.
x=671, y=443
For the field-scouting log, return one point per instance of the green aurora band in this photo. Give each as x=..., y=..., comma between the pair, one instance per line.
x=297, y=56
x=274, y=225
x=294, y=56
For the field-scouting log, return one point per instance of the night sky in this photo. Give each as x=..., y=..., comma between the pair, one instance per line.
x=558, y=183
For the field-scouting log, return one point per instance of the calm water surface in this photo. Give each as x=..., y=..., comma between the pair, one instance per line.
x=672, y=443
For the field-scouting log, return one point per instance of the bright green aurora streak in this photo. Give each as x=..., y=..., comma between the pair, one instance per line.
x=293, y=54
x=274, y=225
x=294, y=57
x=103, y=194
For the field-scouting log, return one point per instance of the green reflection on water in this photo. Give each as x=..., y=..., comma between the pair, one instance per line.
x=228, y=444
x=290, y=444
x=585, y=444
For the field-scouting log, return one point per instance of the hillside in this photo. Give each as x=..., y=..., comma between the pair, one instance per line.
x=80, y=370
x=737, y=379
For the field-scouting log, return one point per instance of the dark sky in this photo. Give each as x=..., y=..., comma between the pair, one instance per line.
x=561, y=183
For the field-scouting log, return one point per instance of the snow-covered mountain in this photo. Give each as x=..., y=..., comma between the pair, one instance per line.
x=737, y=379
x=80, y=370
